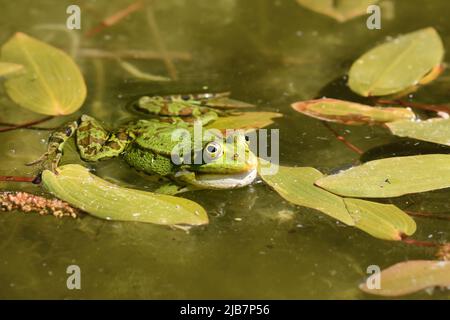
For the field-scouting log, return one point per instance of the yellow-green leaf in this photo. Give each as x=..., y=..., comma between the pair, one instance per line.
x=245, y=120
x=391, y=177
x=52, y=83
x=408, y=277
x=435, y=130
x=382, y=221
x=77, y=186
x=351, y=113
x=340, y=10
x=7, y=69
x=296, y=185
x=397, y=65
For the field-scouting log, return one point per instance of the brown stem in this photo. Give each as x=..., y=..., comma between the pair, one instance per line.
x=342, y=139
x=17, y=179
x=419, y=243
x=428, y=215
x=423, y=106
x=27, y=124
x=115, y=18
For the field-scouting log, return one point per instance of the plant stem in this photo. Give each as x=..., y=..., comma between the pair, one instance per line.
x=342, y=139
x=428, y=215
x=26, y=125
x=17, y=179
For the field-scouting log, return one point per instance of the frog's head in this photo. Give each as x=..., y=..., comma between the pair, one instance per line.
x=222, y=163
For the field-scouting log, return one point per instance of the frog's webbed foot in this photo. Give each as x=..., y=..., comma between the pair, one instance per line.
x=170, y=189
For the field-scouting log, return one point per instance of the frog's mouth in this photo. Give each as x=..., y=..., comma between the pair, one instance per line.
x=221, y=181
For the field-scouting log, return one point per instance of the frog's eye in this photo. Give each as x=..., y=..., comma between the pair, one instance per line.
x=213, y=150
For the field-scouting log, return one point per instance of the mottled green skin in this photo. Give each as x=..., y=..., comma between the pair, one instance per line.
x=147, y=144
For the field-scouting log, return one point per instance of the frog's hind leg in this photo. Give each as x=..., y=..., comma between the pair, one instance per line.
x=178, y=110
x=95, y=143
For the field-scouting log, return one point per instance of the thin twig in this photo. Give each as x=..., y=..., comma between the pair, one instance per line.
x=115, y=18
x=26, y=125
x=342, y=139
x=154, y=29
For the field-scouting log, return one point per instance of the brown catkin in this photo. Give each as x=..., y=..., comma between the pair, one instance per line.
x=27, y=202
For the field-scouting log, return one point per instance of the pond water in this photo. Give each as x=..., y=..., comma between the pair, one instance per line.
x=267, y=52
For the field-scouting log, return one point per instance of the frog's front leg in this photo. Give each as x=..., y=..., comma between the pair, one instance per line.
x=93, y=141
x=56, y=144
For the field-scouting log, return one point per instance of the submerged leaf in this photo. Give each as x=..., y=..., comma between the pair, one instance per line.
x=382, y=221
x=397, y=65
x=391, y=177
x=77, y=186
x=341, y=10
x=52, y=83
x=435, y=130
x=7, y=69
x=408, y=277
x=245, y=120
x=351, y=113
x=135, y=72
x=296, y=185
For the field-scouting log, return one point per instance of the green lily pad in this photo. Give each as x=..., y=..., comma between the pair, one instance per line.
x=245, y=120
x=383, y=221
x=102, y=199
x=397, y=65
x=391, y=177
x=351, y=113
x=340, y=10
x=52, y=83
x=408, y=277
x=296, y=185
x=7, y=69
x=435, y=130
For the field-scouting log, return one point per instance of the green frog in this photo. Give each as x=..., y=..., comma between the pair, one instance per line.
x=216, y=162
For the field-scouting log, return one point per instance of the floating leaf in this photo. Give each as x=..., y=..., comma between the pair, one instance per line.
x=351, y=113
x=77, y=186
x=340, y=10
x=408, y=277
x=391, y=177
x=435, y=130
x=52, y=83
x=382, y=221
x=296, y=185
x=397, y=65
x=7, y=69
x=245, y=120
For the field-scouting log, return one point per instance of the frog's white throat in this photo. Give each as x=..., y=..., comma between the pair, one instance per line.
x=222, y=181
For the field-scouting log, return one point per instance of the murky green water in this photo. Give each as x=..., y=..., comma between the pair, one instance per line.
x=268, y=52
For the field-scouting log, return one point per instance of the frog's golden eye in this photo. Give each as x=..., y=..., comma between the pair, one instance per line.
x=213, y=150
